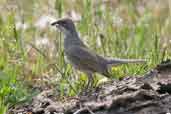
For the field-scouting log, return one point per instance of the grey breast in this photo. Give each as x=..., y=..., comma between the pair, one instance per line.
x=85, y=60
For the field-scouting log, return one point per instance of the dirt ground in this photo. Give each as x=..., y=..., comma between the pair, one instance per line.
x=148, y=94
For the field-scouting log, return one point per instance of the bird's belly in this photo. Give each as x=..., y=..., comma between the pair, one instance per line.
x=77, y=64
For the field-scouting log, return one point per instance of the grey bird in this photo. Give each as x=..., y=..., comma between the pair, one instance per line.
x=81, y=57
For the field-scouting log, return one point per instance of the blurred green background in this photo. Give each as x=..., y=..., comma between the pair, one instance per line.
x=31, y=51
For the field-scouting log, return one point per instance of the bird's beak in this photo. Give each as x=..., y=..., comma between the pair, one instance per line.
x=58, y=25
x=55, y=23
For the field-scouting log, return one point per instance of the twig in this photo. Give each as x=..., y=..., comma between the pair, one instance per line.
x=84, y=109
x=38, y=50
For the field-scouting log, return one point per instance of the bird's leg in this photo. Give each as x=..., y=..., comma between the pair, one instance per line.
x=90, y=82
x=86, y=87
x=95, y=81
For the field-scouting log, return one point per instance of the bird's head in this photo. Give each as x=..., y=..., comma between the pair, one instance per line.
x=65, y=25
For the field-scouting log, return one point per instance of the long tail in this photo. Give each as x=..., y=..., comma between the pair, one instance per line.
x=115, y=62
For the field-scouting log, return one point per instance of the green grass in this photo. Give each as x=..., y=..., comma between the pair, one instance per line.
x=114, y=31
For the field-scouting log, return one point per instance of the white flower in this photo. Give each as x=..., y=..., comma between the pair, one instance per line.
x=44, y=21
